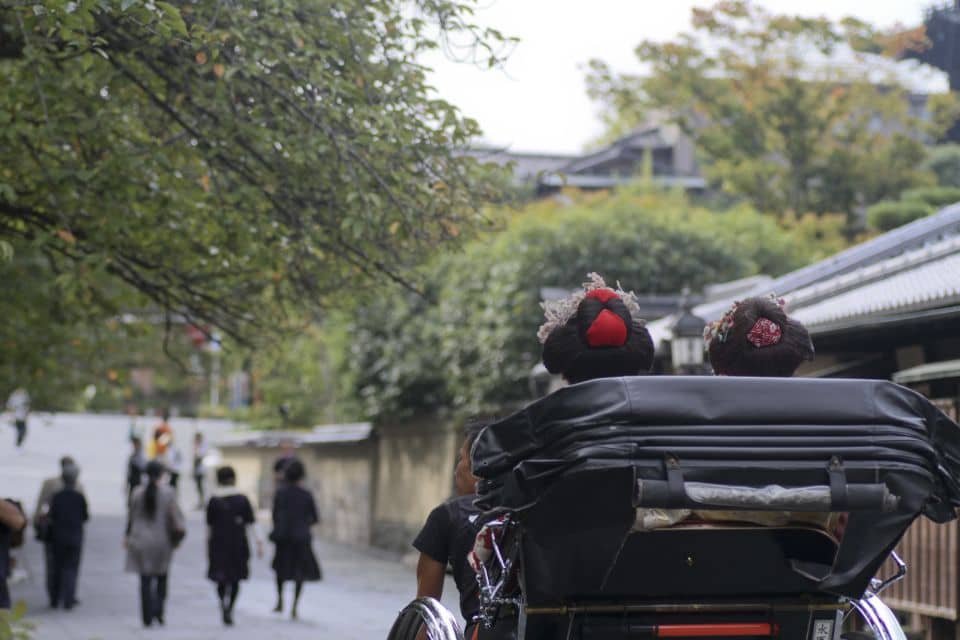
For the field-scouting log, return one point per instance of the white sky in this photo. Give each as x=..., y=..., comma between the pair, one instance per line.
x=538, y=101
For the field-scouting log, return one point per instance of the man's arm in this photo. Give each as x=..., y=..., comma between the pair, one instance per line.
x=11, y=516
x=430, y=575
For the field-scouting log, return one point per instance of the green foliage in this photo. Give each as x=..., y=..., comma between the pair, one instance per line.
x=13, y=623
x=294, y=373
x=936, y=197
x=891, y=214
x=471, y=346
x=776, y=116
x=229, y=167
x=944, y=162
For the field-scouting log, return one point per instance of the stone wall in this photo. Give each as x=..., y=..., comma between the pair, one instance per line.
x=414, y=473
x=378, y=491
x=342, y=482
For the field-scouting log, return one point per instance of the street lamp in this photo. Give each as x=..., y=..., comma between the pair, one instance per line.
x=686, y=346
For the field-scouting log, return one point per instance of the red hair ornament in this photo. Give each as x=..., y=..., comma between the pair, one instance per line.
x=764, y=333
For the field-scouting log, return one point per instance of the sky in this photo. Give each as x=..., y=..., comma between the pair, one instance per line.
x=538, y=101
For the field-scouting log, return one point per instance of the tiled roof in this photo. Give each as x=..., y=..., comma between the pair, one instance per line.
x=943, y=224
x=922, y=279
x=914, y=267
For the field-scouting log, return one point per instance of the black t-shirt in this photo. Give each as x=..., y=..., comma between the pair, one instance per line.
x=448, y=537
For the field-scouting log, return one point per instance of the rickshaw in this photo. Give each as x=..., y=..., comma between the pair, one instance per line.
x=778, y=501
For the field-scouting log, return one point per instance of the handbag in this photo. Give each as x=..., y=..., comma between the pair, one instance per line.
x=42, y=528
x=175, y=529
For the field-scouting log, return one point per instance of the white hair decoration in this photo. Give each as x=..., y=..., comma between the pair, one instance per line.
x=559, y=312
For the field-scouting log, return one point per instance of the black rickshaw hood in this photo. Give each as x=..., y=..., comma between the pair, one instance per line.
x=595, y=441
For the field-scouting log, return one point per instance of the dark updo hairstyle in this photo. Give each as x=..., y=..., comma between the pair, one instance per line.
x=294, y=472
x=601, y=338
x=226, y=476
x=757, y=338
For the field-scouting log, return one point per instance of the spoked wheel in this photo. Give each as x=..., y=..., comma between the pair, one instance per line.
x=428, y=614
x=879, y=618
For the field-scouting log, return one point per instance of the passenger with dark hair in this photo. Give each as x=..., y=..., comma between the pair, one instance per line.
x=68, y=514
x=448, y=536
x=294, y=512
x=595, y=333
x=155, y=526
x=756, y=337
x=228, y=515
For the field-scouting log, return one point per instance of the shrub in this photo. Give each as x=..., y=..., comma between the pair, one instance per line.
x=936, y=197
x=890, y=214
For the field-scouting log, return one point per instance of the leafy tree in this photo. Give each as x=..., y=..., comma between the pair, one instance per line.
x=944, y=162
x=775, y=116
x=473, y=348
x=229, y=165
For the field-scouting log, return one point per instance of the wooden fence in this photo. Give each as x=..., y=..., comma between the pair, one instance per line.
x=930, y=587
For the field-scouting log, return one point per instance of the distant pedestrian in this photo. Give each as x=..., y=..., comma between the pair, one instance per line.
x=280, y=464
x=136, y=466
x=12, y=522
x=294, y=512
x=199, y=473
x=68, y=513
x=134, y=431
x=155, y=526
x=41, y=524
x=162, y=436
x=228, y=515
x=19, y=404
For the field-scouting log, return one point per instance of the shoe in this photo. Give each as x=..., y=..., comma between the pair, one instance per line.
x=228, y=617
x=293, y=615
x=159, y=620
x=278, y=608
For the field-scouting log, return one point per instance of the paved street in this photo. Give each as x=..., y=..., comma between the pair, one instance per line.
x=358, y=599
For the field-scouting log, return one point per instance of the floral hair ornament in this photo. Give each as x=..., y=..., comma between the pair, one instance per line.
x=559, y=312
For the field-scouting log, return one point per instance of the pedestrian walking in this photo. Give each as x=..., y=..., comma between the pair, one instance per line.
x=162, y=436
x=136, y=466
x=12, y=522
x=19, y=404
x=229, y=514
x=41, y=524
x=199, y=475
x=294, y=512
x=155, y=526
x=68, y=513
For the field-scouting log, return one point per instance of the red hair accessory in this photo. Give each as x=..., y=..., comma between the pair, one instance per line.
x=764, y=333
x=603, y=295
x=607, y=330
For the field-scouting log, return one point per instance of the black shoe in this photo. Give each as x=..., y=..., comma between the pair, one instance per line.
x=228, y=617
x=278, y=608
x=159, y=619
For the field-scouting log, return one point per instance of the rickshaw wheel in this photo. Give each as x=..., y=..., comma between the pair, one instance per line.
x=426, y=613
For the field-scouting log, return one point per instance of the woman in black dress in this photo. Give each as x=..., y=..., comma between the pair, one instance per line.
x=294, y=512
x=228, y=515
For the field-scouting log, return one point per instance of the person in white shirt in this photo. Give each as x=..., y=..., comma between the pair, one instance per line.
x=19, y=404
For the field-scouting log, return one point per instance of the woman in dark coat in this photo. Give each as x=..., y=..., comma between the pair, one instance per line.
x=228, y=515
x=294, y=512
